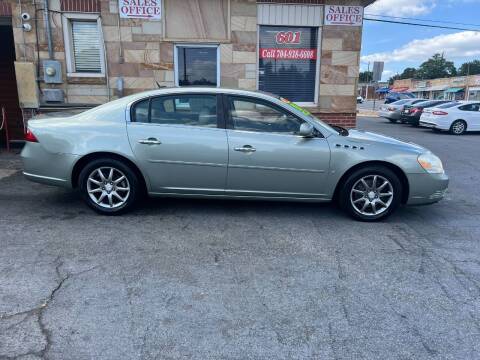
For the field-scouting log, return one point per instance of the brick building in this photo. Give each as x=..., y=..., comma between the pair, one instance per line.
x=87, y=52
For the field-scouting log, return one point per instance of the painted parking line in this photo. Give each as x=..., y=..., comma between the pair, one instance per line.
x=7, y=172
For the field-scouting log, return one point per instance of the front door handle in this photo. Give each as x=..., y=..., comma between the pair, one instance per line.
x=149, y=141
x=245, y=149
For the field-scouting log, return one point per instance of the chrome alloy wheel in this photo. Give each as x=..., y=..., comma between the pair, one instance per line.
x=108, y=187
x=371, y=195
x=458, y=127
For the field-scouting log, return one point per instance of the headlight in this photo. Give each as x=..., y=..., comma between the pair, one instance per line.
x=431, y=163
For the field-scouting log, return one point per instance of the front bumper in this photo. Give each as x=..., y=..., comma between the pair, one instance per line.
x=45, y=167
x=434, y=125
x=427, y=188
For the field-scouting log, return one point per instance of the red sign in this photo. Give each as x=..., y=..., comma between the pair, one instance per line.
x=288, y=37
x=343, y=15
x=288, y=54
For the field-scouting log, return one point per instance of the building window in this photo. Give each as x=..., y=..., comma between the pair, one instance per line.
x=197, y=65
x=288, y=62
x=83, y=45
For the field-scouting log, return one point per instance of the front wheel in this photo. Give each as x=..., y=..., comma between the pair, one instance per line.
x=109, y=186
x=371, y=193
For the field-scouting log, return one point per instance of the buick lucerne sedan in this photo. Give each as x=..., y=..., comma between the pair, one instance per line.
x=213, y=142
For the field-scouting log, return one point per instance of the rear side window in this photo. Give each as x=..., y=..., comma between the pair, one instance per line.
x=140, y=111
x=190, y=110
x=470, y=107
x=400, y=102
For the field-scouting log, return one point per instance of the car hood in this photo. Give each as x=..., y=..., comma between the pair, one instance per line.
x=367, y=137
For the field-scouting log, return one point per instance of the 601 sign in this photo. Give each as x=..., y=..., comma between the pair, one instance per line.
x=288, y=37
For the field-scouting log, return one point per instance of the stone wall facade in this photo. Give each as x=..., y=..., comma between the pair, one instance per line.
x=141, y=54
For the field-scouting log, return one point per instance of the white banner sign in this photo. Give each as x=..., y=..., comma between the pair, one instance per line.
x=343, y=15
x=140, y=9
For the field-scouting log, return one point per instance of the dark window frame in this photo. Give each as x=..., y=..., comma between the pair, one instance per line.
x=219, y=106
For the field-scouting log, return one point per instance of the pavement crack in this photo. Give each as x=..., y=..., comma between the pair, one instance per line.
x=39, y=312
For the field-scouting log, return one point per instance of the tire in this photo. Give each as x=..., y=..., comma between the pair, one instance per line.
x=458, y=127
x=392, y=121
x=353, y=189
x=92, y=186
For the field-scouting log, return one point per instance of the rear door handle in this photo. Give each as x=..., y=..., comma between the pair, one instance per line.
x=245, y=149
x=149, y=141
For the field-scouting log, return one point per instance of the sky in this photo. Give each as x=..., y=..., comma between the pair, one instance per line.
x=402, y=46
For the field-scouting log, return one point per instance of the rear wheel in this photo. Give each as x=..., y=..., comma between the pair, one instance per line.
x=109, y=186
x=371, y=193
x=458, y=127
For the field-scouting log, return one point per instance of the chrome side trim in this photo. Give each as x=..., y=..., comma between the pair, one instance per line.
x=43, y=177
x=176, y=162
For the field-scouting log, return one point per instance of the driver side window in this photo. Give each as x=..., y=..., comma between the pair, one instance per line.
x=255, y=115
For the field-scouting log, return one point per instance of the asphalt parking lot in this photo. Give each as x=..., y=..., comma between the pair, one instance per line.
x=191, y=279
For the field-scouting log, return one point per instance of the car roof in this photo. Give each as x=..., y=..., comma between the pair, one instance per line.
x=202, y=89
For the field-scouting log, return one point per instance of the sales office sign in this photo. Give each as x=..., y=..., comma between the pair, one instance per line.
x=140, y=9
x=343, y=15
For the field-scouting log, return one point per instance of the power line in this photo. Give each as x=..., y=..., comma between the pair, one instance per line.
x=423, y=25
x=424, y=20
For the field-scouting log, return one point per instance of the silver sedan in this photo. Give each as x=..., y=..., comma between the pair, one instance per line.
x=211, y=142
x=393, y=111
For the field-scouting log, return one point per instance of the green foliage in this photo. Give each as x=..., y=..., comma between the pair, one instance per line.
x=409, y=73
x=436, y=67
x=365, y=76
x=469, y=68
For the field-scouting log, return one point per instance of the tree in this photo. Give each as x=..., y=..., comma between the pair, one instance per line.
x=393, y=78
x=408, y=73
x=469, y=68
x=365, y=76
x=436, y=67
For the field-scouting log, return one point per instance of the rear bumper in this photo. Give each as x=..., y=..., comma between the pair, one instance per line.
x=414, y=120
x=389, y=114
x=45, y=167
x=427, y=188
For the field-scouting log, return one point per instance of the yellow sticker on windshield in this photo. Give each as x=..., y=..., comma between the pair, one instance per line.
x=295, y=106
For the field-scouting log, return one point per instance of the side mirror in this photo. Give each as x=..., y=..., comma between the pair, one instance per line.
x=306, y=130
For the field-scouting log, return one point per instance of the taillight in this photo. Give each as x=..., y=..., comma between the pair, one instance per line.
x=416, y=110
x=391, y=109
x=440, y=113
x=30, y=137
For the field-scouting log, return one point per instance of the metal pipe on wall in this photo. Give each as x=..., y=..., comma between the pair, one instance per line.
x=46, y=20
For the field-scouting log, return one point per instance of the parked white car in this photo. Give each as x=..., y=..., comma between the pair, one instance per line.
x=456, y=117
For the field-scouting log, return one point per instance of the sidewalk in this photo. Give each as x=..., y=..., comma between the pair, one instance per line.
x=9, y=162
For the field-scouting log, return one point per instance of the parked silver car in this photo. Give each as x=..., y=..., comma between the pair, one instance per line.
x=393, y=111
x=211, y=142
